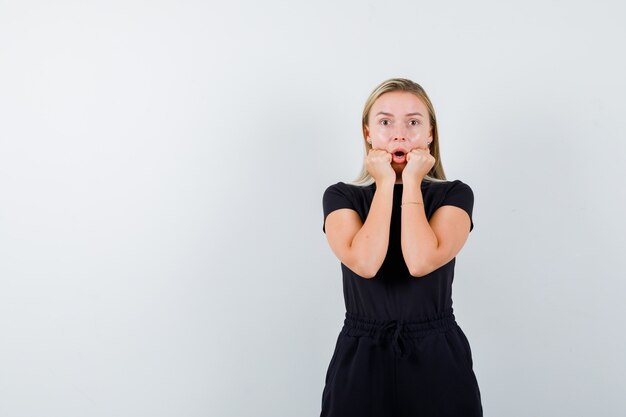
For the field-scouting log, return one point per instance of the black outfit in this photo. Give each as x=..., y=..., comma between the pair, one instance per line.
x=400, y=352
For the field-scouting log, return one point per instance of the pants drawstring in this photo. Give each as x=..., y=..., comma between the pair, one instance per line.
x=404, y=330
x=398, y=335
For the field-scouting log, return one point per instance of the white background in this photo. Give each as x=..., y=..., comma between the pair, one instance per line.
x=162, y=166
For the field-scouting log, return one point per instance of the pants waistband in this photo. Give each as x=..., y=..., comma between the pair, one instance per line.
x=399, y=329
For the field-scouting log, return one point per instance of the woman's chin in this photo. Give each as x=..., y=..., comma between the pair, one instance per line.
x=398, y=168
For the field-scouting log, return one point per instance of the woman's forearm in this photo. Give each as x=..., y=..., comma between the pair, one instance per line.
x=371, y=242
x=418, y=241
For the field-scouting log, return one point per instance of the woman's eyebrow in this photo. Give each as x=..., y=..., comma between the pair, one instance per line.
x=408, y=114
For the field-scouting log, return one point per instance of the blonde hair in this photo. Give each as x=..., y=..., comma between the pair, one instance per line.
x=401, y=84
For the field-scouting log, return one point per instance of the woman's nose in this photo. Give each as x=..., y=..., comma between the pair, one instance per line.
x=400, y=133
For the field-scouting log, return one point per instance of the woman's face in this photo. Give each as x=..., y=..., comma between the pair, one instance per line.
x=399, y=122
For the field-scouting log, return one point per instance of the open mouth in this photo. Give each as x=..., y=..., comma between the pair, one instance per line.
x=399, y=157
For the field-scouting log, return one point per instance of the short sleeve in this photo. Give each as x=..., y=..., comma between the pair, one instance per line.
x=335, y=197
x=460, y=195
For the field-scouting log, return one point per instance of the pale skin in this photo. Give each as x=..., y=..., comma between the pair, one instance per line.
x=398, y=119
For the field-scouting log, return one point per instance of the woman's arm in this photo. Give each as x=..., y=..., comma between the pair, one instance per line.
x=428, y=246
x=362, y=247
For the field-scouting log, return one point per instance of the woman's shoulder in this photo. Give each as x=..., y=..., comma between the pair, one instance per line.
x=447, y=184
x=458, y=185
x=442, y=189
x=348, y=191
x=348, y=186
x=458, y=191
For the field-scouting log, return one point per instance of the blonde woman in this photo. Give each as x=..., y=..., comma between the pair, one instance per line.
x=396, y=231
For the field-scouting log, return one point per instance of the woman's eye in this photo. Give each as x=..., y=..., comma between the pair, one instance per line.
x=383, y=122
x=414, y=124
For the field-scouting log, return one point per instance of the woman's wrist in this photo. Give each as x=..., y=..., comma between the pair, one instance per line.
x=387, y=182
x=412, y=180
x=412, y=192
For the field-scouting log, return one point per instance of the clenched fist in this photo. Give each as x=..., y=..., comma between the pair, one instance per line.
x=378, y=164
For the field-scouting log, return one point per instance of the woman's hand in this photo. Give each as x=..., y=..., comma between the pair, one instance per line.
x=378, y=164
x=419, y=163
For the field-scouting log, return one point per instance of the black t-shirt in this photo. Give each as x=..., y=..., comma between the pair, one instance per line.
x=393, y=293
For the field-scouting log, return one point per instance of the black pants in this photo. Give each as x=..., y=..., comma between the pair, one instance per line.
x=401, y=369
